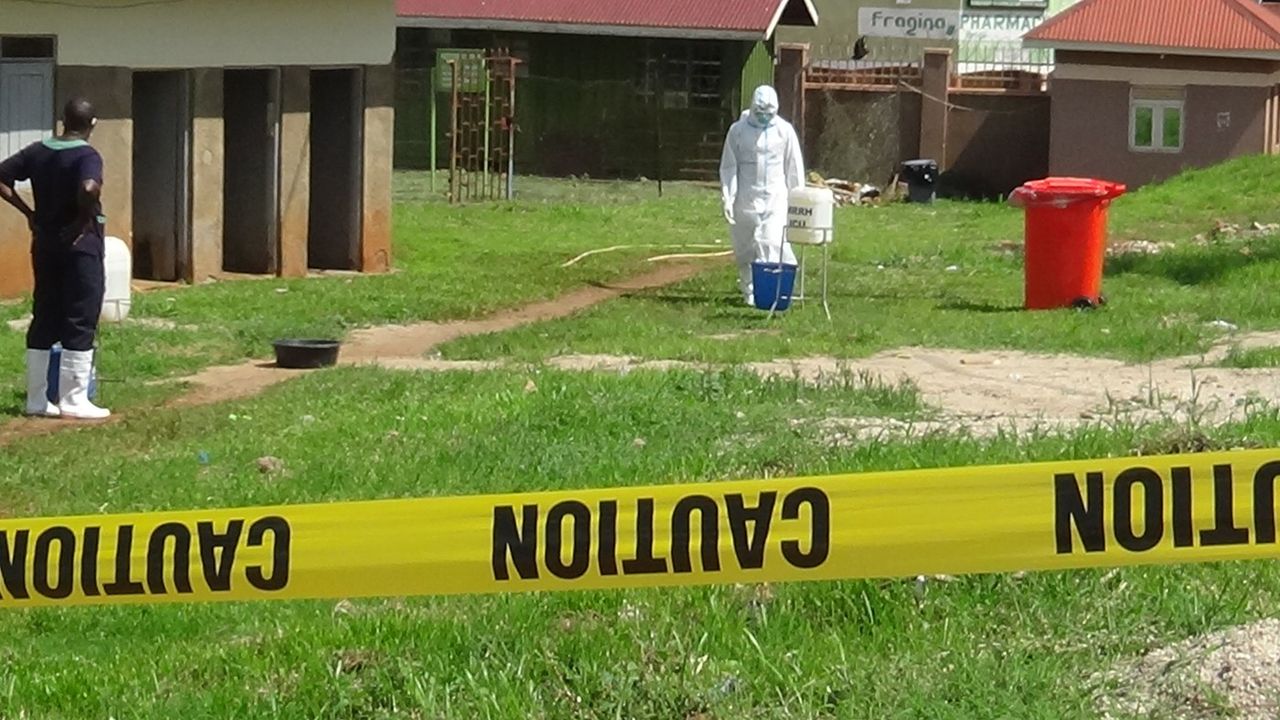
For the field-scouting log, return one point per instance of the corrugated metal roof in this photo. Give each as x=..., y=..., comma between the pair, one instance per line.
x=1217, y=25
x=709, y=16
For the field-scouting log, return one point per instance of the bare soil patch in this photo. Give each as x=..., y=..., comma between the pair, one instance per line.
x=1231, y=673
x=388, y=345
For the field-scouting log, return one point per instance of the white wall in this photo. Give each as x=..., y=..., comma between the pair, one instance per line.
x=210, y=33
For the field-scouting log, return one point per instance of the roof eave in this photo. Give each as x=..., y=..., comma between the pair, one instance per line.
x=1255, y=13
x=1252, y=54
x=414, y=21
x=806, y=5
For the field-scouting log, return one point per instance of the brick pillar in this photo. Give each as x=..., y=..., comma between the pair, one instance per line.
x=208, y=169
x=379, y=129
x=789, y=82
x=295, y=170
x=933, y=106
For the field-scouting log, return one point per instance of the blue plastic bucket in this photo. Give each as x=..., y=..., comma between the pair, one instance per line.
x=55, y=365
x=765, y=281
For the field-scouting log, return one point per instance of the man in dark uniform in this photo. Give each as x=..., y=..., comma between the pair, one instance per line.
x=66, y=256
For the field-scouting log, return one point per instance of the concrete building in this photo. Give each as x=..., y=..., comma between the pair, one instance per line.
x=896, y=31
x=1144, y=89
x=239, y=136
x=624, y=88
x=892, y=32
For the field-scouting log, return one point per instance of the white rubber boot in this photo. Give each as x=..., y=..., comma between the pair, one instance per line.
x=73, y=386
x=38, y=404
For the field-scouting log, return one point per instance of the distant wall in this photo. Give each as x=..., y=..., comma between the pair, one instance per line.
x=996, y=143
x=985, y=141
x=861, y=136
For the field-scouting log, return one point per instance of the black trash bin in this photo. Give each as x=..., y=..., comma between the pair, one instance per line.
x=921, y=177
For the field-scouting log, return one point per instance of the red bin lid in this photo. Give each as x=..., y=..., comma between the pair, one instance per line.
x=1065, y=189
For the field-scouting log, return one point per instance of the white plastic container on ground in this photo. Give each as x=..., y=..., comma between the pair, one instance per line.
x=118, y=263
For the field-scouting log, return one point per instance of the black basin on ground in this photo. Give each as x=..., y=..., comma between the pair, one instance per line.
x=306, y=354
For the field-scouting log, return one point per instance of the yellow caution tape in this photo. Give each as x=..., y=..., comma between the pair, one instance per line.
x=1044, y=516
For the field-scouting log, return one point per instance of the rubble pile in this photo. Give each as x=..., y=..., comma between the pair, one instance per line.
x=846, y=193
x=1224, y=231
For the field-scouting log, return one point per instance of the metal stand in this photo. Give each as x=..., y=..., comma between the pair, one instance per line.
x=799, y=296
x=826, y=257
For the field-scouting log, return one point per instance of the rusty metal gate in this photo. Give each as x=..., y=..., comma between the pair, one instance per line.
x=481, y=135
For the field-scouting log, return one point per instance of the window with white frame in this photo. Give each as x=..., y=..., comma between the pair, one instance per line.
x=26, y=91
x=1157, y=119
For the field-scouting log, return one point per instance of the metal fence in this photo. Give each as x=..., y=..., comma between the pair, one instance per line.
x=991, y=65
x=985, y=58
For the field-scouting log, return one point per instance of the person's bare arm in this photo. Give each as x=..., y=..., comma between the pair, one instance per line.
x=87, y=211
x=90, y=192
x=12, y=170
x=11, y=196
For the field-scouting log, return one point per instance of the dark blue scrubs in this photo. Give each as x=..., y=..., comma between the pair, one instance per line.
x=67, y=263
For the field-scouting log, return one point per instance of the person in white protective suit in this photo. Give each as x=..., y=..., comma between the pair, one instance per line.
x=761, y=164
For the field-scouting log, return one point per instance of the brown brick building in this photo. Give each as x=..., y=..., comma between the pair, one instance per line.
x=1143, y=89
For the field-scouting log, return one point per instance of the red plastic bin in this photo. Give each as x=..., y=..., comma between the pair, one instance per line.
x=1065, y=237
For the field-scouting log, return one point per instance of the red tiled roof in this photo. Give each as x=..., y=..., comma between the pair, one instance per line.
x=674, y=17
x=1210, y=25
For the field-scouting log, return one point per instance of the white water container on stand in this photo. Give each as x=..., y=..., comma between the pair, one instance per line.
x=810, y=216
x=811, y=221
x=118, y=263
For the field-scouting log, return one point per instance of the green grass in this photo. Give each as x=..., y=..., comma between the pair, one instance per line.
x=981, y=647
x=993, y=646
x=451, y=263
x=1253, y=358
x=942, y=275
x=902, y=275
x=415, y=186
x=436, y=431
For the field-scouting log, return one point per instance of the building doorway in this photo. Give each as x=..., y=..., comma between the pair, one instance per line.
x=337, y=162
x=161, y=175
x=251, y=205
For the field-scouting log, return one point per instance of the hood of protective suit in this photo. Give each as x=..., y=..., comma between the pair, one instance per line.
x=764, y=107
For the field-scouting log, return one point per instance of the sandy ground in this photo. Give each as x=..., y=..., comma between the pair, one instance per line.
x=992, y=390
x=1231, y=673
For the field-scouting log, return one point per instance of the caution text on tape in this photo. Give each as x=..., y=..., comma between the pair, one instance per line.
x=1042, y=516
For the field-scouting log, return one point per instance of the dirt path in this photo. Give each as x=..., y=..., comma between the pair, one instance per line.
x=984, y=391
x=987, y=391
x=380, y=345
